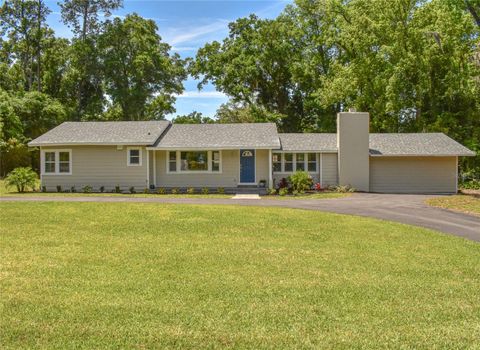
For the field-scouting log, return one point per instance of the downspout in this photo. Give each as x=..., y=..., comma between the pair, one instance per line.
x=148, y=168
x=270, y=170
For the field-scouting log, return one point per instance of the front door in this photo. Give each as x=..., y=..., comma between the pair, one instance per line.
x=247, y=166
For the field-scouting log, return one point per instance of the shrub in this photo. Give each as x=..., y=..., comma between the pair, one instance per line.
x=283, y=191
x=295, y=192
x=146, y=191
x=59, y=188
x=220, y=190
x=73, y=189
x=272, y=191
x=470, y=185
x=190, y=190
x=342, y=189
x=205, y=190
x=301, y=181
x=21, y=179
x=102, y=189
x=44, y=188
x=161, y=190
x=283, y=183
x=87, y=189
x=175, y=190
x=117, y=189
x=132, y=190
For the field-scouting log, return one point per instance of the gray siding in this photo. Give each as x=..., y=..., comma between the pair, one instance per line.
x=329, y=169
x=227, y=178
x=413, y=174
x=261, y=165
x=99, y=166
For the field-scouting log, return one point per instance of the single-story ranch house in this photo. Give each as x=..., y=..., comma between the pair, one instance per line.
x=152, y=154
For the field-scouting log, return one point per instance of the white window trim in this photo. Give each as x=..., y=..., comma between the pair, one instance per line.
x=140, y=156
x=57, y=161
x=294, y=162
x=178, y=164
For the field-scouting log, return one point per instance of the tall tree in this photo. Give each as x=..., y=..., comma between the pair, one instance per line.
x=260, y=66
x=84, y=77
x=83, y=15
x=23, y=22
x=140, y=75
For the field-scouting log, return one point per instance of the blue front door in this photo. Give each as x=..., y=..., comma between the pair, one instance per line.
x=247, y=166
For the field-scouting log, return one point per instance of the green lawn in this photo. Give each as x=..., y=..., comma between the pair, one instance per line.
x=462, y=203
x=9, y=192
x=120, y=275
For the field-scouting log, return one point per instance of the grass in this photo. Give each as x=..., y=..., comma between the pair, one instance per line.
x=131, y=275
x=462, y=203
x=9, y=192
x=4, y=192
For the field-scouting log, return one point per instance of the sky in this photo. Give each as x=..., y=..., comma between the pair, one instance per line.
x=187, y=26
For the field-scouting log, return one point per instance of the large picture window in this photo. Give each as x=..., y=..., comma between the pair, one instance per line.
x=57, y=162
x=194, y=161
x=291, y=162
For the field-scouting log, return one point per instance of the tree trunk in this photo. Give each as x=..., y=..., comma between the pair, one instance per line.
x=473, y=12
x=39, y=39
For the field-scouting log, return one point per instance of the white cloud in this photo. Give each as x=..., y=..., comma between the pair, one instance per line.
x=184, y=48
x=202, y=94
x=190, y=33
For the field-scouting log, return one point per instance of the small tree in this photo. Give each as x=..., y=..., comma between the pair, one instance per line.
x=301, y=181
x=21, y=178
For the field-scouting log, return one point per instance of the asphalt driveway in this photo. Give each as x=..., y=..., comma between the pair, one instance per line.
x=407, y=209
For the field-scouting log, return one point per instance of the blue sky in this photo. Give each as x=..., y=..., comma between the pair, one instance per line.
x=187, y=26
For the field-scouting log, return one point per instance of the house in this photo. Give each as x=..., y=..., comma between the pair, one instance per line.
x=150, y=154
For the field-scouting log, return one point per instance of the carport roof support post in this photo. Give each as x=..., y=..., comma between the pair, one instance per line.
x=353, y=150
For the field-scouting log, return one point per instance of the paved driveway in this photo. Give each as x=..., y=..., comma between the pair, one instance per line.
x=408, y=209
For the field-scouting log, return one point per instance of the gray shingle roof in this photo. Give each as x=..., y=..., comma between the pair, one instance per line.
x=218, y=136
x=128, y=132
x=420, y=144
x=309, y=142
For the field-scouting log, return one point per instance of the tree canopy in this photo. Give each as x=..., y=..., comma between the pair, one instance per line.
x=414, y=65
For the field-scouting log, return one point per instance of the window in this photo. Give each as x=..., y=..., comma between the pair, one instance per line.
x=57, y=162
x=194, y=161
x=288, y=162
x=312, y=162
x=49, y=162
x=215, y=161
x=172, y=161
x=64, y=162
x=294, y=162
x=134, y=156
x=277, y=162
x=300, y=161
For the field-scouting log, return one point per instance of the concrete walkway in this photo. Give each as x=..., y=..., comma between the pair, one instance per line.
x=407, y=209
